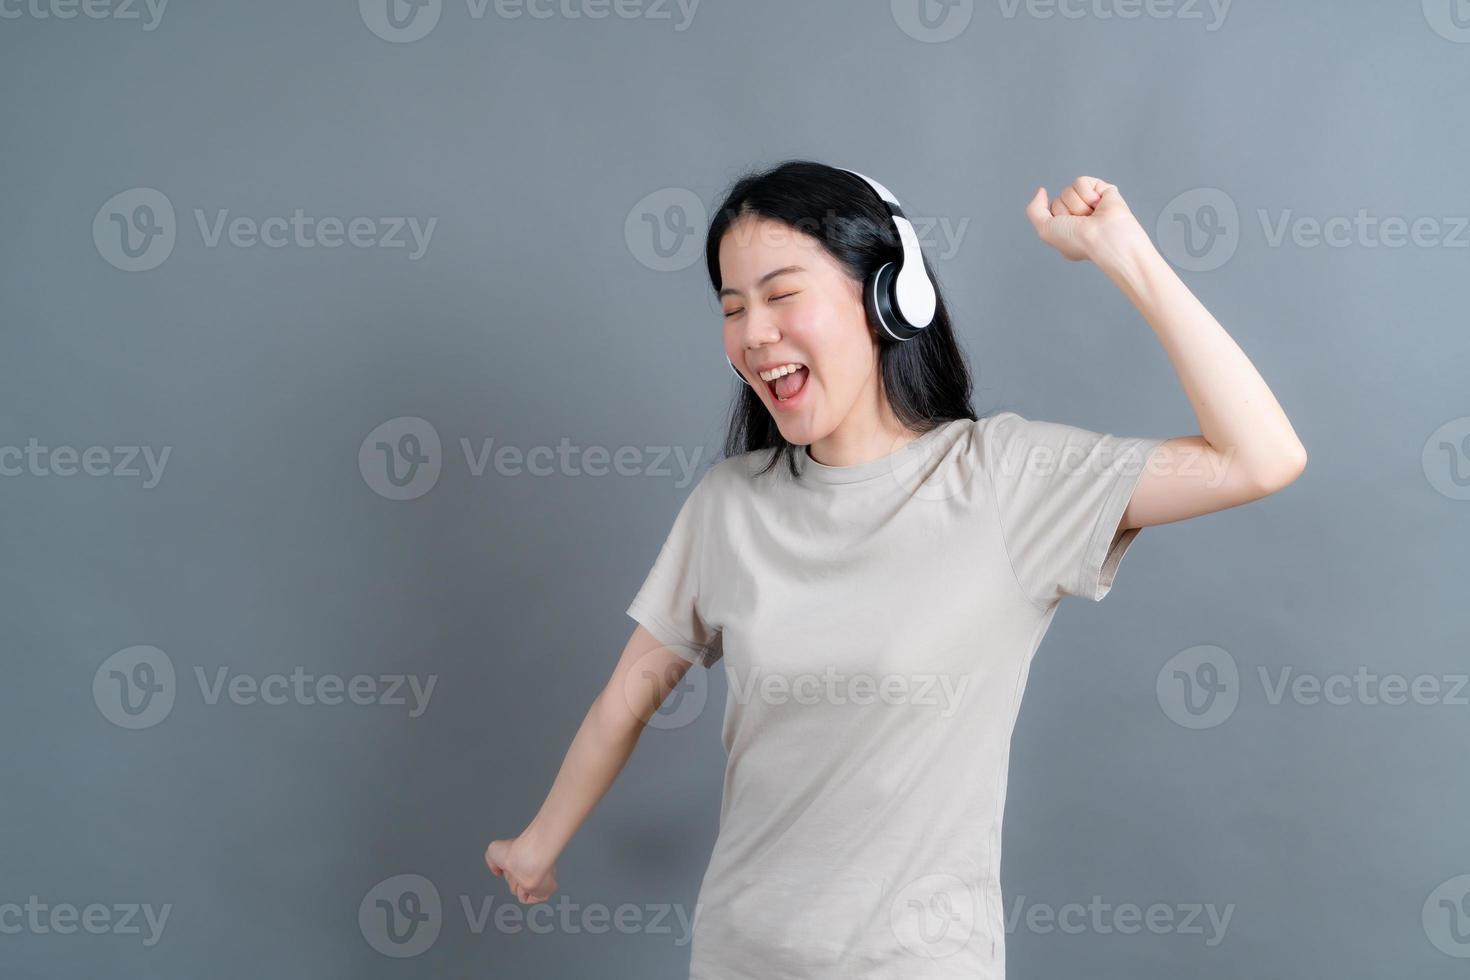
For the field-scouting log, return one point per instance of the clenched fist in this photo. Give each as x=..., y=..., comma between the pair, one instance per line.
x=1088, y=220
x=531, y=880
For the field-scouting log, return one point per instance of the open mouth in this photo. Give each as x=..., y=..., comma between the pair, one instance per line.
x=788, y=386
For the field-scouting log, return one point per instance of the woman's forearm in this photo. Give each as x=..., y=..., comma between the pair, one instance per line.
x=1238, y=415
x=603, y=743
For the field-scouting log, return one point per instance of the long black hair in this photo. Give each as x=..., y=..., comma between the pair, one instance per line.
x=926, y=379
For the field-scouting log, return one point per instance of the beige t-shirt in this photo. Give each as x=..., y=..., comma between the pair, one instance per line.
x=877, y=623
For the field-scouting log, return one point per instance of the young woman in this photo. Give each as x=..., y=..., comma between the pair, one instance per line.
x=876, y=567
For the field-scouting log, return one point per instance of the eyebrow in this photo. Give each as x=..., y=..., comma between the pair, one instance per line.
x=732, y=291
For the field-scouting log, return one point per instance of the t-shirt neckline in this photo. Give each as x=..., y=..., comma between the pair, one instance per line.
x=873, y=468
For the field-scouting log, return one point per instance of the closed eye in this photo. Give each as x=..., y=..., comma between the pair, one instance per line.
x=773, y=299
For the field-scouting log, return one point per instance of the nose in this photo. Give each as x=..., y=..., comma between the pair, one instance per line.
x=757, y=329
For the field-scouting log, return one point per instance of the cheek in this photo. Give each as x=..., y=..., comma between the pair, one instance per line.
x=840, y=345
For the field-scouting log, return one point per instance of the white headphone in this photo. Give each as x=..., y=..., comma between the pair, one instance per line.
x=899, y=296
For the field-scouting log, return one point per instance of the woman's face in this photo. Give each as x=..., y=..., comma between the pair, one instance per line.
x=809, y=313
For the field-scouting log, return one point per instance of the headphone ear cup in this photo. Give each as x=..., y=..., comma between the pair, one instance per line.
x=882, y=312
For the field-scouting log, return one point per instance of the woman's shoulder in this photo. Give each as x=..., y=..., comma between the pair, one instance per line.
x=983, y=443
x=730, y=474
x=734, y=474
x=1003, y=429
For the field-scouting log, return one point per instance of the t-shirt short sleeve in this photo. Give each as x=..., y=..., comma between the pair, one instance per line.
x=670, y=604
x=1061, y=492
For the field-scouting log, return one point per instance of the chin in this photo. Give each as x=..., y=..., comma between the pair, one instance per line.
x=800, y=432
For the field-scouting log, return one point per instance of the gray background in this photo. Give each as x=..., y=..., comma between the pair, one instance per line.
x=534, y=316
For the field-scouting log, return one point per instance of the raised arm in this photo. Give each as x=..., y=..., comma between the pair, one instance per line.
x=645, y=674
x=1246, y=448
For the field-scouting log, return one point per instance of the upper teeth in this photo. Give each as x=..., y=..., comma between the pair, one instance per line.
x=775, y=373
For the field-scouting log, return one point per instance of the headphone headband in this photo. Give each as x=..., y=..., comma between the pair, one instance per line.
x=912, y=292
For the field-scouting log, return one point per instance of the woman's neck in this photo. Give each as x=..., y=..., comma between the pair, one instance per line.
x=864, y=435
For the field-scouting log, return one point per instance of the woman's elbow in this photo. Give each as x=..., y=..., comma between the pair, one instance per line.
x=1284, y=473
